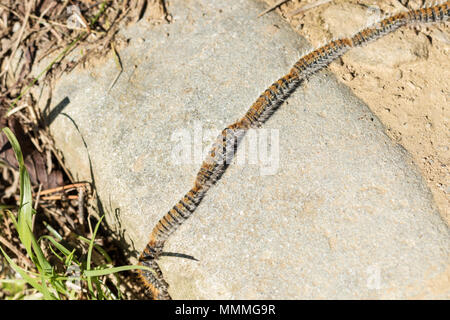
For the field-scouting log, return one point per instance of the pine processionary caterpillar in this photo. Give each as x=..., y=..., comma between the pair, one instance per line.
x=227, y=142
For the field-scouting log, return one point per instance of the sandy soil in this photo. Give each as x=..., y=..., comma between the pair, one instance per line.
x=402, y=77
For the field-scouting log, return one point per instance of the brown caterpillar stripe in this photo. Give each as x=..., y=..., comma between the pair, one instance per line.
x=228, y=140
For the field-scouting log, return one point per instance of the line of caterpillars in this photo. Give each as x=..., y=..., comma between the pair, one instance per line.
x=227, y=142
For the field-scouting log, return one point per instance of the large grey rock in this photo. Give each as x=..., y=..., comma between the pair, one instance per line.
x=345, y=214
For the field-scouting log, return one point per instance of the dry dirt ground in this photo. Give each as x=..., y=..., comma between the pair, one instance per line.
x=402, y=77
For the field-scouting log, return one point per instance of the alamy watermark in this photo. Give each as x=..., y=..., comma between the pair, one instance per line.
x=259, y=147
x=373, y=277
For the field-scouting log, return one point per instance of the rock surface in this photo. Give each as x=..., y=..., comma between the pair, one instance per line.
x=388, y=52
x=342, y=214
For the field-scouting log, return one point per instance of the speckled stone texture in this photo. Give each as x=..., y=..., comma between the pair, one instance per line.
x=344, y=215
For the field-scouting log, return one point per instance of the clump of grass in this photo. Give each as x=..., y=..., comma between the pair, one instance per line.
x=62, y=273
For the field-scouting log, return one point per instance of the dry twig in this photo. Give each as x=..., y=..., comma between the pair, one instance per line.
x=276, y=5
x=307, y=7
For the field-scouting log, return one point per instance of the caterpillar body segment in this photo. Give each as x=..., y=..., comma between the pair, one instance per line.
x=153, y=280
x=261, y=113
x=180, y=212
x=321, y=57
x=438, y=13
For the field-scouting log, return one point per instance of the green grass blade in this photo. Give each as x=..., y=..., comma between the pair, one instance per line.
x=13, y=281
x=24, y=274
x=13, y=219
x=25, y=215
x=5, y=206
x=45, y=290
x=24, y=219
x=70, y=258
x=59, y=246
x=43, y=264
x=52, y=231
x=15, y=145
x=98, y=248
x=102, y=272
x=89, y=255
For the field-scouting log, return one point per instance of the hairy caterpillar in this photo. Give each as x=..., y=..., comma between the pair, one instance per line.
x=267, y=103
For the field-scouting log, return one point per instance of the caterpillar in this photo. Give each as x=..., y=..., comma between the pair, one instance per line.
x=226, y=144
